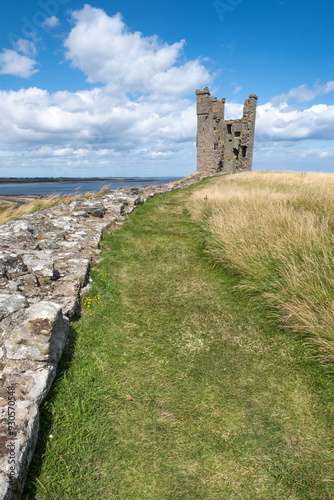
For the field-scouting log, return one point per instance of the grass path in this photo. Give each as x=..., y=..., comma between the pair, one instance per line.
x=174, y=387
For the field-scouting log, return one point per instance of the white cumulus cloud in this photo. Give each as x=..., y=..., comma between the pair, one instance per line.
x=12, y=63
x=108, y=52
x=51, y=22
x=304, y=94
x=26, y=47
x=283, y=122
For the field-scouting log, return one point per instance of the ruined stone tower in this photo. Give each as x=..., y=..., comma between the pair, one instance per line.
x=224, y=145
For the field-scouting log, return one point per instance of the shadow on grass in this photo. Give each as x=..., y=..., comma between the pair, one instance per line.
x=46, y=418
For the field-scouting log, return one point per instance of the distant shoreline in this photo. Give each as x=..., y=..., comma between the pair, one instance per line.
x=34, y=180
x=63, y=186
x=20, y=199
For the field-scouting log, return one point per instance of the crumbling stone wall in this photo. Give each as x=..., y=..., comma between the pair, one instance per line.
x=224, y=145
x=44, y=264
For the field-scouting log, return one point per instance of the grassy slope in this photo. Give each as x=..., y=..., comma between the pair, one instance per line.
x=274, y=230
x=174, y=387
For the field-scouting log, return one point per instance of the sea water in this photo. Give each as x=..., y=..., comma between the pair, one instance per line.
x=81, y=186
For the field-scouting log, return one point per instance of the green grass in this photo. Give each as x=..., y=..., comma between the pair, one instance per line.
x=174, y=386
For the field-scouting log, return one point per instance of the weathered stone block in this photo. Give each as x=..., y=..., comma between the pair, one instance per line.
x=39, y=334
x=96, y=210
x=10, y=303
x=40, y=263
x=17, y=448
x=12, y=265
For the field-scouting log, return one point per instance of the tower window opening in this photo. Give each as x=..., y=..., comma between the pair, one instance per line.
x=236, y=153
x=244, y=151
x=229, y=128
x=237, y=134
x=215, y=146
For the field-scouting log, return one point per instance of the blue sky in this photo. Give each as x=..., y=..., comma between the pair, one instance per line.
x=107, y=88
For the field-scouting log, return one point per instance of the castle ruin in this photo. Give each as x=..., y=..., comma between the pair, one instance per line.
x=224, y=146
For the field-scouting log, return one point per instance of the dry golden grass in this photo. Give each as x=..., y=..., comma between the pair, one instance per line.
x=275, y=230
x=187, y=178
x=5, y=205
x=10, y=211
x=14, y=211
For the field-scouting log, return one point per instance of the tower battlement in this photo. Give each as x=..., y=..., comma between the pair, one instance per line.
x=224, y=145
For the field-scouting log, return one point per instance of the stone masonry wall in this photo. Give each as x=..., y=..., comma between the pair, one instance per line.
x=44, y=269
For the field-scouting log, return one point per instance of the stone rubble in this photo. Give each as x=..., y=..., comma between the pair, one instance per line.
x=45, y=259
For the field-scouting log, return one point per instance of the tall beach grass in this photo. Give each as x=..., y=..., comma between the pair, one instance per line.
x=275, y=230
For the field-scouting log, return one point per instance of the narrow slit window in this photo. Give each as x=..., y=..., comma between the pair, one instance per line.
x=244, y=151
x=229, y=128
x=215, y=146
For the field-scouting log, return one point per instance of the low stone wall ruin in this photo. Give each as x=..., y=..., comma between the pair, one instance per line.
x=44, y=264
